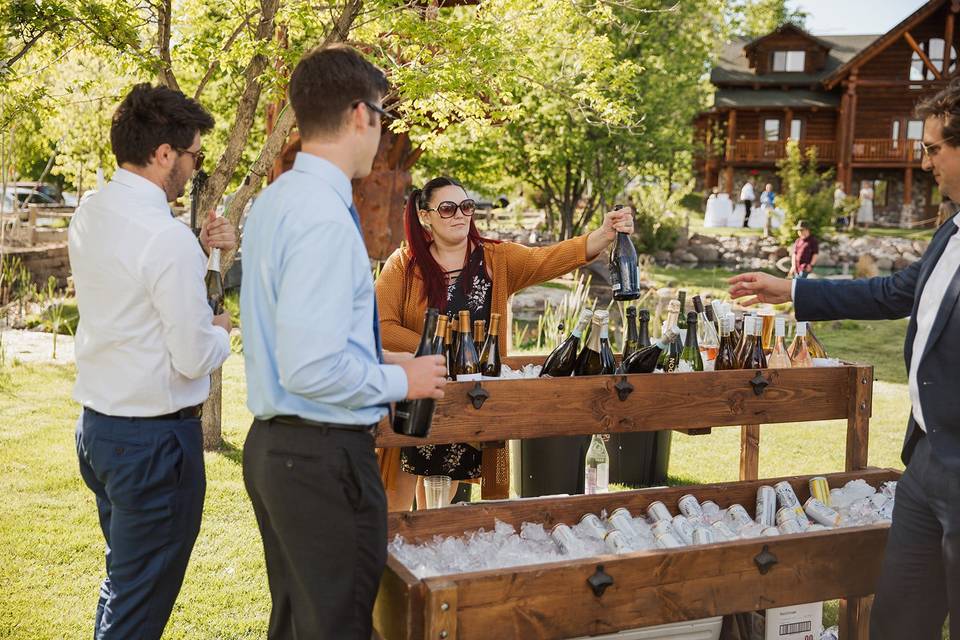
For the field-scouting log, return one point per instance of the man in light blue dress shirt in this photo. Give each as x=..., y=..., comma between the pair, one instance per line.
x=317, y=380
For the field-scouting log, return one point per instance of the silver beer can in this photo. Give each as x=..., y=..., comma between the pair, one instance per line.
x=661, y=527
x=668, y=541
x=616, y=542
x=563, y=536
x=821, y=513
x=689, y=507
x=786, y=513
x=790, y=525
x=770, y=531
x=738, y=516
x=593, y=526
x=723, y=531
x=703, y=535
x=766, y=506
x=622, y=521
x=658, y=511
x=710, y=508
x=787, y=497
x=683, y=529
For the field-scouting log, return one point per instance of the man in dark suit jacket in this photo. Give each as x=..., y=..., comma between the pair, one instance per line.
x=920, y=580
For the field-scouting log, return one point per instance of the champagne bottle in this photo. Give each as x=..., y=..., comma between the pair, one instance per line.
x=467, y=362
x=490, y=353
x=414, y=417
x=726, y=353
x=644, y=339
x=644, y=360
x=214, y=282
x=779, y=359
x=563, y=360
x=479, y=334
x=706, y=335
x=448, y=351
x=691, y=348
x=712, y=319
x=606, y=351
x=799, y=351
x=746, y=344
x=682, y=297
x=755, y=357
x=596, y=467
x=624, y=268
x=816, y=347
x=671, y=356
x=437, y=345
x=631, y=341
x=592, y=361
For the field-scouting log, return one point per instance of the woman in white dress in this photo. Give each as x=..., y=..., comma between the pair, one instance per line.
x=865, y=212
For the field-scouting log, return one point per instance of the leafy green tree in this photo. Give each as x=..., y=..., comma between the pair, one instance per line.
x=755, y=18
x=807, y=192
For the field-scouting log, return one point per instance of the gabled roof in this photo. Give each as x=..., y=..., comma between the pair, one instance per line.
x=881, y=43
x=795, y=98
x=787, y=27
x=733, y=66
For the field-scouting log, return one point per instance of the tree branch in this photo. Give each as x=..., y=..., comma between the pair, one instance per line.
x=164, y=20
x=226, y=47
x=26, y=48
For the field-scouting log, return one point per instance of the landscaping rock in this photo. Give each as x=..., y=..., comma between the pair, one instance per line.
x=704, y=253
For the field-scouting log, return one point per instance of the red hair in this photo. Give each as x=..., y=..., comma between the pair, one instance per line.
x=419, y=241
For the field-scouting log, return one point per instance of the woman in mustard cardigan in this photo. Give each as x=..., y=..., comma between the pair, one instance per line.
x=447, y=264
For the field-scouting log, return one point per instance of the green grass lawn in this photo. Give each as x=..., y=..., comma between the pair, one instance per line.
x=50, y=546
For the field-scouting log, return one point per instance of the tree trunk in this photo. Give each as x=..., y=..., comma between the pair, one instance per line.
x=211, y=412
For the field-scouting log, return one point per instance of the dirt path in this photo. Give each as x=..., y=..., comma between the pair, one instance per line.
x=35, y=347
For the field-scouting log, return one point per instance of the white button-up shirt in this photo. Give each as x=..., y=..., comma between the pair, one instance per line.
x=927, y=310
x=747, y=193
x=145, y=344
x=930, y=301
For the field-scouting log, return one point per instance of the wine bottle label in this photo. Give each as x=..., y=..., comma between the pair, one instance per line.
x=616, y=286
x=469, y=377
x=213, y=263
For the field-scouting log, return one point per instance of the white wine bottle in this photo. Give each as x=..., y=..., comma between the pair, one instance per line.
x=490, y=365
x=467, y=364
x=596, y=467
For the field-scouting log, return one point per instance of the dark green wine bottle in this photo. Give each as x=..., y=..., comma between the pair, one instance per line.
x=691, y=348
x=414, y=417
x=562, y=361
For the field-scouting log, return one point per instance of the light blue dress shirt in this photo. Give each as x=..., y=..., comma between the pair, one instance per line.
x=306, y=304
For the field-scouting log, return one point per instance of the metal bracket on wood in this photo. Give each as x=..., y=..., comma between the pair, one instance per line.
x=759, y=384
x=765, y=560
x=478, y=395
x=624, y=389
x=599, y=581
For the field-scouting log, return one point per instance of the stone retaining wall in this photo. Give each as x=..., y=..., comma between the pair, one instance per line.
x=44, y=261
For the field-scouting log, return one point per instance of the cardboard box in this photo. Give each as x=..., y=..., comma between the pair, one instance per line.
x=799, y=622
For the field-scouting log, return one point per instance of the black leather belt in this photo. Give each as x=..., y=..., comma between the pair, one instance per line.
x=183, y=414
x=323, y=426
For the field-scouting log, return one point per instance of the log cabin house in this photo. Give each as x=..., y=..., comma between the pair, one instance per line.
x=851, y=97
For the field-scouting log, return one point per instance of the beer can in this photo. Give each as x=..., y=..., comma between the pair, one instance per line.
x=766, y=506
x=787, y=497
x=616, y=542
x=710, y=508
x=820, y=489
x=689, y=507
x=668, y=541
x=592, y=525
x=661, y=527
x=683, y=529
x=723, y=531
x=703, y=535
x=770, y=531
x=658, y=511
x=816, y=527
x=790, y=525
x=738, y=516
x=784, y=514
x=622, y=521
x=821, y=513
x=563, y=536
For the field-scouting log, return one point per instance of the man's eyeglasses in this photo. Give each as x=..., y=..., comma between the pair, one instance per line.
x=448, y=209
x=933, y=148
x=376, y=109
x=197, y=157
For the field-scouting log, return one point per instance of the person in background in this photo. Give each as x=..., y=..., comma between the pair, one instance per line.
x=865, y=212
x=447, y=264
x=747, y=196
x=918, y=584
x=767, y=197
x=317, y=380
x=146, y=345
x=839, y=202
x=805, y=251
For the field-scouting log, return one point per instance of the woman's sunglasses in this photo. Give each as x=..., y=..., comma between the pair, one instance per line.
x=448, y=209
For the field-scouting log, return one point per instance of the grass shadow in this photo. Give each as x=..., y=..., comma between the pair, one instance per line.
x=230, y=451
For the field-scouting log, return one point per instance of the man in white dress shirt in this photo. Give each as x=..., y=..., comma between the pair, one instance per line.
x=920, y=580
x=747, y=196
x=145, y=347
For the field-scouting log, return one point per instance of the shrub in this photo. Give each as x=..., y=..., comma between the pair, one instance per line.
x=807, y=193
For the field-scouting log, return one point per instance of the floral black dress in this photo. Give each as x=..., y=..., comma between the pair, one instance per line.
x=460, y=461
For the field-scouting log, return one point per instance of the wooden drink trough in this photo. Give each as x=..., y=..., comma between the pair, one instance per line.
x=616, y=592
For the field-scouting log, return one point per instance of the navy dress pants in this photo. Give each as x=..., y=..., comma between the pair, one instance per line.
x=149, y=482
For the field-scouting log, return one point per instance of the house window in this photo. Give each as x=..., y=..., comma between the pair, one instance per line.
x=879, y=193
x=771, y=129
x=895, y=134
x=789, y=60
x=796, y=129
x=914, y=129
x=935, y=49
